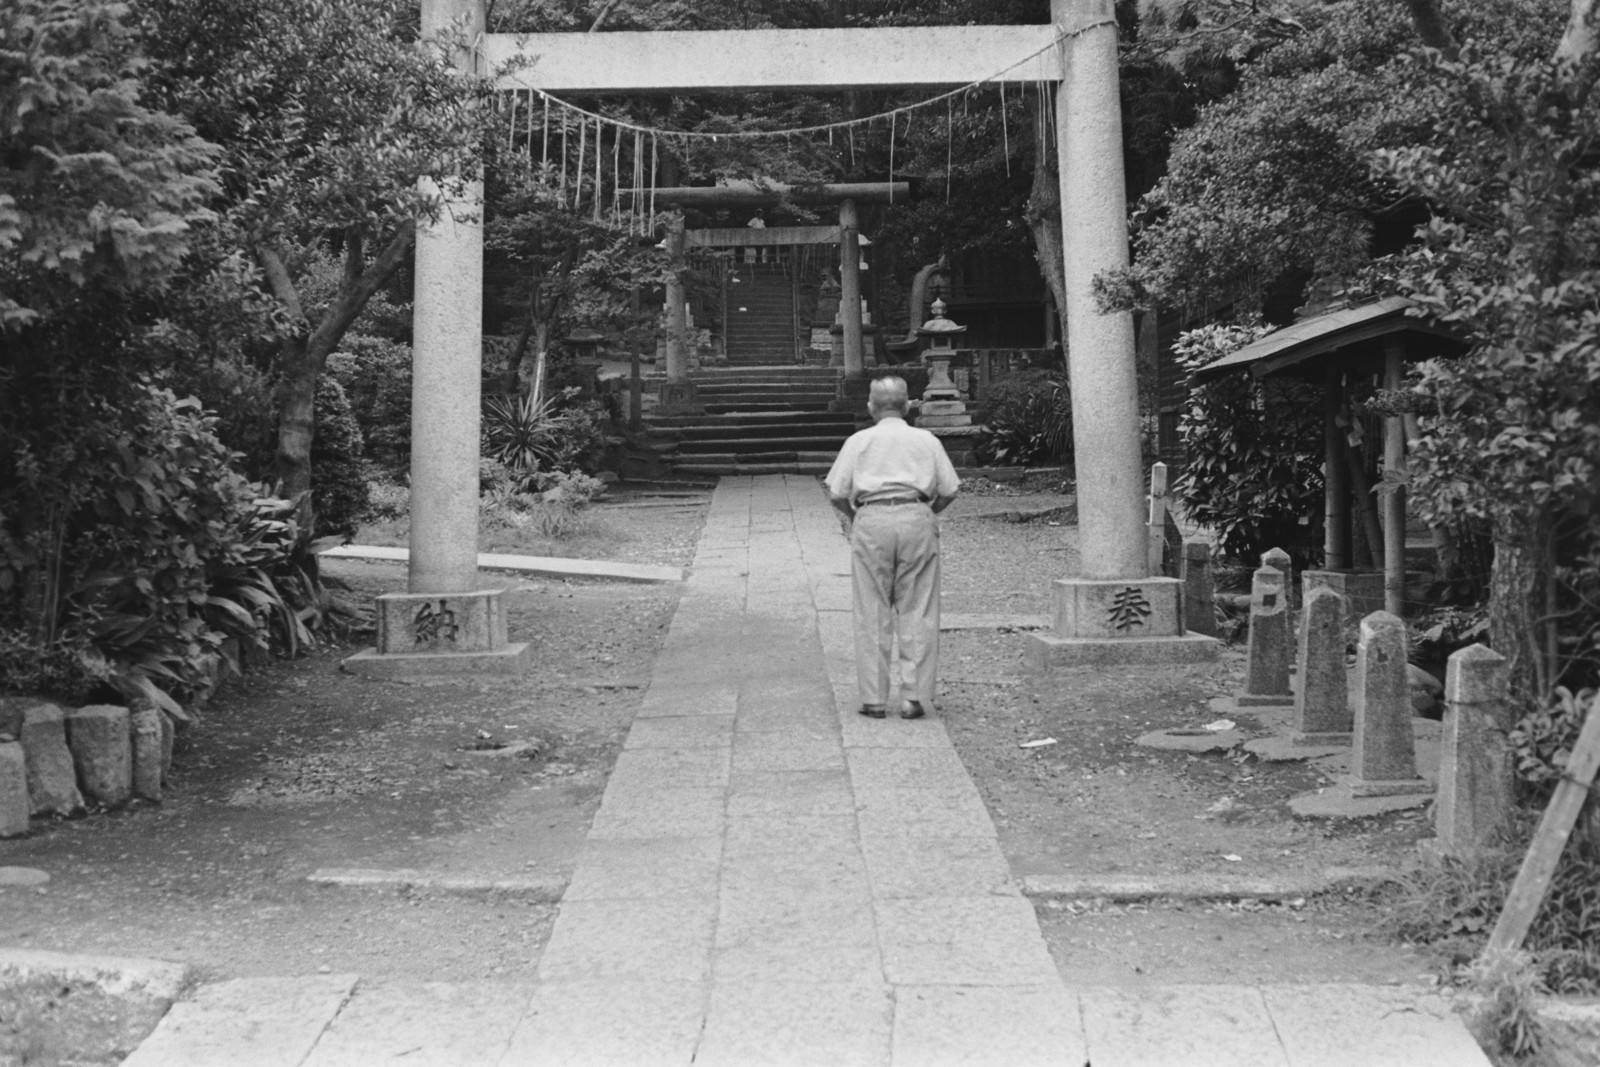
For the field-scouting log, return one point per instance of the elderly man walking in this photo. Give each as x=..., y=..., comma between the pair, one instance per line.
x=892, y=479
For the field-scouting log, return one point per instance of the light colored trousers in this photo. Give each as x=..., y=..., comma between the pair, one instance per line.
x=894, y=570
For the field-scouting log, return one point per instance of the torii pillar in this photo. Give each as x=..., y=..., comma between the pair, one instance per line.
x=446, y=622
x=1114, y=611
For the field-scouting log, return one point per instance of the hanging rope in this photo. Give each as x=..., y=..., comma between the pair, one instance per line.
x=616, y=180
x=949, y=144
x=577, y=173
x=1005, y=130
x=635, y=206
x=654, y=160
x=891, y=157
x=599, y=183
x=545, y=161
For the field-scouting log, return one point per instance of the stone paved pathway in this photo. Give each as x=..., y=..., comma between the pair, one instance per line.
x=773, y=879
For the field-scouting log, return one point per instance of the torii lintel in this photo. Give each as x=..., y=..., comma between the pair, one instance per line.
x=719, y=60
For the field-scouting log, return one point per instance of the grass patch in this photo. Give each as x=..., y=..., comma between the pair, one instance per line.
x=47, y=1021
x=536, y=529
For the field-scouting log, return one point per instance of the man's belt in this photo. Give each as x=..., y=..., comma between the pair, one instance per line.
x=892, y=500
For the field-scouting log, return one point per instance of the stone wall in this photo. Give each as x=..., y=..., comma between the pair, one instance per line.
x=58, y=761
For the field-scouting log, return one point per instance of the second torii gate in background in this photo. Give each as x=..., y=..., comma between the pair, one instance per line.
x=1113, y=609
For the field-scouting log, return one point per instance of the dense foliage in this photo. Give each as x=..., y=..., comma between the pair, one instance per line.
x=1253, y=469
x=1027, y=419
x=133, y=551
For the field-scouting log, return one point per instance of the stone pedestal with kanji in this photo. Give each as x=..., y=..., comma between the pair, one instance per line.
x=441, y=633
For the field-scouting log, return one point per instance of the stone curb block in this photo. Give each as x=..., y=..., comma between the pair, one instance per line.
x=1132, y=887
x=117, y=976
x=539, y=890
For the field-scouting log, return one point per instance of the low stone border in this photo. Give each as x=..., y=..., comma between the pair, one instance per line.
x=1136, y=887
x=117, y=976
x=551, y=566
x=539, y=890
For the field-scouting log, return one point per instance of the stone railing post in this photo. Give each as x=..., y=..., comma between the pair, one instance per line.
x=1385, y=755
x=1476, y=775
x=1199, y=590
x=1322, y=704
x=1267, y=658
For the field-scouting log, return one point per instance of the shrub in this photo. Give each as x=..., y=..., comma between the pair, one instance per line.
x=340, y=471
x=1028, y=417
x=1252, y=471
x=376, y=376
x=554, y=434
x=130, y=549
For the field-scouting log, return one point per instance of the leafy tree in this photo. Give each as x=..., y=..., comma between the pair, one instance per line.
x=99, y=193
x=1511, y=432
x=331, y=118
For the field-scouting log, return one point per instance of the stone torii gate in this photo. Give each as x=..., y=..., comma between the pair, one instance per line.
x=1112, y=610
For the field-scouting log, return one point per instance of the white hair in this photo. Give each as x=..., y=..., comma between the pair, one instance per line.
x=888, y=394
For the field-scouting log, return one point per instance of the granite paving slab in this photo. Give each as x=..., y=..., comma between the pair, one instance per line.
x=1181, y=1026
x=977, y=1026
x=614, y=1023
x=254, y=1022
x=439, y=1024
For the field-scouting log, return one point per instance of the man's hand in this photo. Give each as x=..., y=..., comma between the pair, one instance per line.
x=941, y=502
x=843, y=506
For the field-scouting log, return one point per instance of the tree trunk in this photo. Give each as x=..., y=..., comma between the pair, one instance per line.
x=303, y=356
x=1044, y=220
x=1521, y=568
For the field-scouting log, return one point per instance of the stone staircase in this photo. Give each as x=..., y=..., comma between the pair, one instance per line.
x=761, y=327
x=758, y=420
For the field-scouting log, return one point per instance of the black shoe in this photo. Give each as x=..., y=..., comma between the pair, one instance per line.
x=873, y=711
x=912, y=710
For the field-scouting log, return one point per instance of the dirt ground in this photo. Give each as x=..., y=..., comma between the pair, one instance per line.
x=300, y=767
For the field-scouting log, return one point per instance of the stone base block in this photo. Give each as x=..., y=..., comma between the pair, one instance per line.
x=441, y=622
x=851, y=395
x=1338, y=802
x=1317, y=740
x=941, y=408
x=1046, y=652
x=509, y=660
x=941, y=422
x=1402, y=788
x=1264, y=700
x=678, y=398
x=1362, y=590
x=1119, y=610
x=1286, y=750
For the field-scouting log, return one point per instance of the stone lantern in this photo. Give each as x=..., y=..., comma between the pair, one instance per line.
x=943, y=412
x=941, y=399
x=585, y=344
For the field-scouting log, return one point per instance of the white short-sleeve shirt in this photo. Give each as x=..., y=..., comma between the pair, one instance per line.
x=891, y=459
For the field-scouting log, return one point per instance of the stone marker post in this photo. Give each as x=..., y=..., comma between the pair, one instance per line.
x=52, y=780
x=1385, y=756
x=678, y=395
x=1476, y=775
x=1156, y=521
x=102, y=752
x=1322, y=704
x=13, y=790
x=1267, y=659
x=1199, y=591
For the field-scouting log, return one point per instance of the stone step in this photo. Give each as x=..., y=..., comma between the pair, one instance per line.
x=742, y=446
x=786, y=370
x=726, y=407
x=795, y=467
x=829, y=430
x=779, y=421
x=756, y=390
